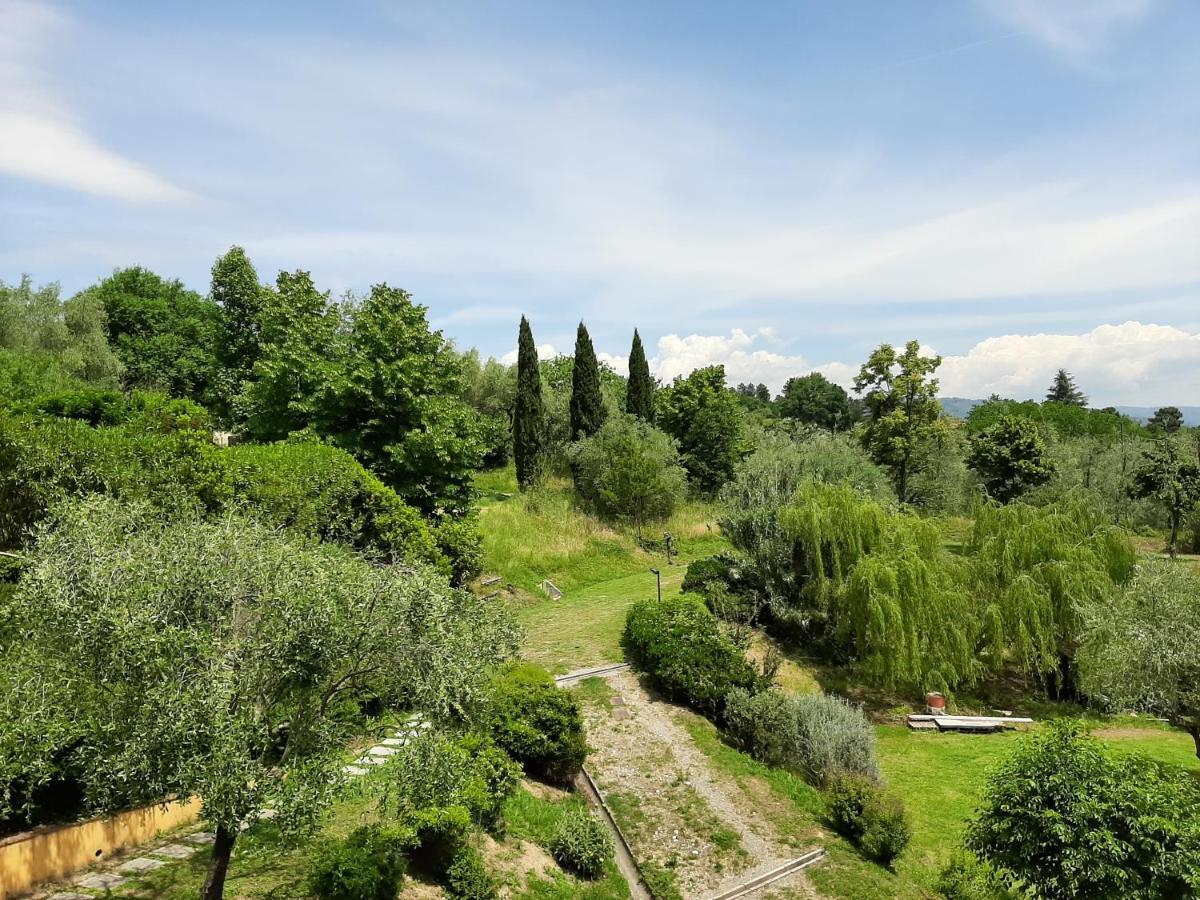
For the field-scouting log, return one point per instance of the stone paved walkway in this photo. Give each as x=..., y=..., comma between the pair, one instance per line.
x=103, y=880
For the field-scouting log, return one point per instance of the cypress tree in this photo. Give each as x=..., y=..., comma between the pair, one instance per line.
x=587, y=405
x=639, y=398
x=527, y=412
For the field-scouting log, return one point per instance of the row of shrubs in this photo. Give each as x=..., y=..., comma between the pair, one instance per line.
x=681, y=647
x=439, y=790
x=147, y=447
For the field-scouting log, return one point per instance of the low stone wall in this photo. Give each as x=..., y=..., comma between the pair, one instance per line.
x=58, y=851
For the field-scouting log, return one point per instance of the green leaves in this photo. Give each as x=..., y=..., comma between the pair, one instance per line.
x=1010, y=458
x=707, y=421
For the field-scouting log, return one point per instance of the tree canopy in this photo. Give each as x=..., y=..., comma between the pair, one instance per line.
x=639, y=397
x=587, y=402
x=527, y=411
x=1064, y=390
x=815, y=400
x=1010, y=458
x=701, y=413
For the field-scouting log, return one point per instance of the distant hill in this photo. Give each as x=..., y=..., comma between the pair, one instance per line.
x=960, y=406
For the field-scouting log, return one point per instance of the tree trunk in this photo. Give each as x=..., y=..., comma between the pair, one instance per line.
x=1194, y=731
x=218, y=867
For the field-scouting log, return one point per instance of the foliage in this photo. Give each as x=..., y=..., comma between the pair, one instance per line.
x=900, y=394
x=164, y=334
x=467, y=877
x=442, y=835
x=1166, y=420
x=528, y=412
x=490, y=388
x=706, y=420
x=678, y=643
x=1034, y=568
x=1010, y=458
x=368, y=865
x=319, y=491
x=536, y=722
x=819, y=736
x=459, y=543
x=1064, y=419
x=558, y=375
x=587, y=405
x=1141, y=650
x=639, y=397
x=1172, y=480
x=67, y=336
x=581, y=845
x=939, y=481
x=1063, y=819
x=728, y=586
x=205, y=658
x=965, y=878
x=236, y=290
x=863, y=811
x=629, y=471
x=1064, y=390
x=815, y=400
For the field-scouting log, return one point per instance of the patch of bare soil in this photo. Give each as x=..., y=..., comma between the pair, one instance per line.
x=545, y=791
x=515, y=862
x=674, y=808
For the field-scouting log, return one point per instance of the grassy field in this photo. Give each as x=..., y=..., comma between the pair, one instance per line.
x=601, y=569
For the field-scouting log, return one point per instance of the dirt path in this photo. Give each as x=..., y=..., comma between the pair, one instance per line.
x=678, y=813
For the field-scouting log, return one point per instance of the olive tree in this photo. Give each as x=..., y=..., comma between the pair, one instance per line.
x=183, y=658
x=629, y=470
x=1142, y=649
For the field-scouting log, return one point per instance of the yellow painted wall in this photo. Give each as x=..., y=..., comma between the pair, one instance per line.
x=56, y=852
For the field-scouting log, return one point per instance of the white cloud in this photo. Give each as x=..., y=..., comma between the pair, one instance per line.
x=1074, y=27
x=43, y=142
x=544, y=352
x=739, y=353
x=1132, y=364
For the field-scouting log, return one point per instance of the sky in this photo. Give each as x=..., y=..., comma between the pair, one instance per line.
x=778, y=187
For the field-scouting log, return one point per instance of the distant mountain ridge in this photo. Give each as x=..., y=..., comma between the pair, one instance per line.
x=960, y=406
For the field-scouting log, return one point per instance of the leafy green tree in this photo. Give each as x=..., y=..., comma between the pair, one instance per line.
x=527, y=411
x=1065, y=419
x=1172, y=480
x=490, y=388
x=1064, y=390
x=900, y=394
x=1062, y=819
x=1010, y=458
x=587, y=403
x=815, y=400
x=629, y=470
x=707, y=421
x=177, y=658
x=1166, y=420
x=236, y=290
x=295, y=377
x=164, y=334
x=639, y=400
x=396, y=407
x=1142, y=650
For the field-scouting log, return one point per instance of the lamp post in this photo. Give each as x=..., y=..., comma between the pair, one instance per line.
x=658, y=576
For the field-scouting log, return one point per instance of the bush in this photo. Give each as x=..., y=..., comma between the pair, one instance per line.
x=538, y=724
x=861, y=810
x=494, y=779
x=367, y=865
x=728, y=587
x=886, y=830
x=441, y=834
x=966, y=878
x=818, y=735
x=581, y=844
x=1063, y=819
x=678, y=643
x=467, y=877
x=459, y=542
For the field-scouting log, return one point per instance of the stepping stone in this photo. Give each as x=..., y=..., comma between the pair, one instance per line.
x=382, y=751
x=370, y=760
x=393, y=742
x=617, y=700
x=621, y=713
x=268, y=814
x=140, y=864
x=69, y=895
x=174, y=851
x=101, y=881
x=354, y=771
x=200, y=837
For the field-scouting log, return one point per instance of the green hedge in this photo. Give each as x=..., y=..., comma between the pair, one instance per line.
x=679, y=644
x=536, y=722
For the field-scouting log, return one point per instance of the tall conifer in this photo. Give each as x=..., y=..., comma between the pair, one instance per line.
x=587, y=404
x=639, y=398
x=527, y=412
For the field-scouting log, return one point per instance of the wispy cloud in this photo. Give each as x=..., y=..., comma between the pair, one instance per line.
x=40, y=139
x=1075, y=28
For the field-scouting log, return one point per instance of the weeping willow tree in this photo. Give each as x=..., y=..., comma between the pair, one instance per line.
x=1034, y=569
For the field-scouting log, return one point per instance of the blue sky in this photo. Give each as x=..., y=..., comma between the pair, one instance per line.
x=778, y=187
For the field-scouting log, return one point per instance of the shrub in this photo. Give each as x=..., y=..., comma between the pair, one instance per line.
x=1064, y=819
x=966, y=878
x=367, y=865
x=818, y=735
x=581, y=844
x=861, y=810
x=727, y=586
x=538, y=724
x=467, y=877
x=459, y=542
x=442, y=833
x=494, y=779
x=678, y=643
x=886, y=829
